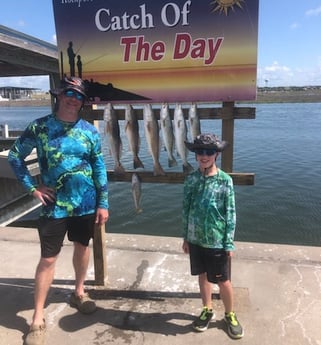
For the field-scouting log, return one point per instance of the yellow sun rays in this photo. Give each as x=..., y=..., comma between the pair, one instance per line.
x=225, y=5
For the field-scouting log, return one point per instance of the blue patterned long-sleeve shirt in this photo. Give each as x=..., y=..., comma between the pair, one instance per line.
x=209, y=215
x=70, y=162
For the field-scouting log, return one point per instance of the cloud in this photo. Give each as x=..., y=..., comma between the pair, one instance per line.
x=276, y=75
x=294, y=26
x=281, y=75
x=37, y=82
x=275, y=67
x=21, y=23
x=313, y=12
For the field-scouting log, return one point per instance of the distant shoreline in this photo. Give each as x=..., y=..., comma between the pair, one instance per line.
x=264, y=95
x=26, y=103
x=289, y=96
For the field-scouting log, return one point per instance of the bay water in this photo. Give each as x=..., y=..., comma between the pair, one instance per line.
x=281, y=146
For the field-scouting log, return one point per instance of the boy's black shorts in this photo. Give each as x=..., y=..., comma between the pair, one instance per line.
x=214, y=262
x=52, y=232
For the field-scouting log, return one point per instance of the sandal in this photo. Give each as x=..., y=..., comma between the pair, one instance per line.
x=83, y=303
x=36, y=335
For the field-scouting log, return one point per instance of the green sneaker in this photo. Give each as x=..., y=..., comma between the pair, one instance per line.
x=202, y=322
x=234, y=328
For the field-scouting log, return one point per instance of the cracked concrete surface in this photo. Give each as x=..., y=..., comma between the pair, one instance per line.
x=151, y=298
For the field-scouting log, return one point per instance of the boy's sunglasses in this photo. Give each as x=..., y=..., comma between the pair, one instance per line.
x=205, y=152
x=75, y=94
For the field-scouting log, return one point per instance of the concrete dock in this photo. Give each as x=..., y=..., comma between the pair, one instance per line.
x=150, y=297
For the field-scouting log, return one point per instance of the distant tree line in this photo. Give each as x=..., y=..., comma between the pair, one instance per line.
x=288, y=88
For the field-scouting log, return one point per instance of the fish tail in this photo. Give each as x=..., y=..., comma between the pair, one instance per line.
x=119, y=169
x=138, y=163
x=187, y=168
x=158, y=170
x=172, y=162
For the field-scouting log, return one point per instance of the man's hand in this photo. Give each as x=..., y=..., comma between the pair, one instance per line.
x=102, y=216
x=45, y=194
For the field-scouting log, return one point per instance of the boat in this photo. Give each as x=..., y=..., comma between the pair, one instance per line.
x=2, y=99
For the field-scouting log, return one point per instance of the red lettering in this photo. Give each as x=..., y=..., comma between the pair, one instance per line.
x=182, y=46
x=144, y=50
x=127, y=42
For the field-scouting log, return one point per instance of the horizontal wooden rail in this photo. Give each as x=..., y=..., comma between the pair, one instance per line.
x=203, y=113
x=173, y=177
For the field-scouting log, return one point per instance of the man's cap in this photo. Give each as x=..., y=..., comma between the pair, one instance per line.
x=70, y=83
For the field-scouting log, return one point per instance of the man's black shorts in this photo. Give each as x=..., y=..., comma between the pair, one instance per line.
x=214, y=262
x=52, y=232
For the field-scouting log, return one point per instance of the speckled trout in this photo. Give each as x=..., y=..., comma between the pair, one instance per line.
x=167, y=133
x=137, y=192
x=132, y=132
x=113, y=132
x=152, y=137
x=180, y=133
x=194, y=122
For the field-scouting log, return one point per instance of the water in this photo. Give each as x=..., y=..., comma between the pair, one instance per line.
x=17, y=118
x=281, y=146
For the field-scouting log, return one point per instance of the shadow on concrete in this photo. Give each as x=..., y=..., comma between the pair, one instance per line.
x=126, y=310
x=130, y=310
x=17, y=296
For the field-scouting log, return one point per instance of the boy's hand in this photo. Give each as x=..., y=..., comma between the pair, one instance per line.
x=185, y=247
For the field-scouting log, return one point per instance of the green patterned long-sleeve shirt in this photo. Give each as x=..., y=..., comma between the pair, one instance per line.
x=70, y=162
x=209, y=215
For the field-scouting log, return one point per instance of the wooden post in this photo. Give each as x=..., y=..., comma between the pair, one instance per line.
x=96, y=124
x=99, y=244
x=100, y=260
x=54, y=84
x=228, y=135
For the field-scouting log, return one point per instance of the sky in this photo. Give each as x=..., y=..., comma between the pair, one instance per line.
x=289, y=49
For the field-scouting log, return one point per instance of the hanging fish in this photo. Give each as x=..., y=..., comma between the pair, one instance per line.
x=137, y=192
x=194, y=122
x=167, y=133
x=115, y=143
x=180, y=133
x=132, y=132
x=152, y=137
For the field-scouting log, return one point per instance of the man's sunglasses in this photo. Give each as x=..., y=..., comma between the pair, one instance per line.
x=205, y=152
x=75, y=94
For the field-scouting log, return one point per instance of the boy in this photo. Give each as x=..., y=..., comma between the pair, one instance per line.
x=208, y=229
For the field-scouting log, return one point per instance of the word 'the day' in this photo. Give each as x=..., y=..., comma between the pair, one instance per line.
x=135, y=47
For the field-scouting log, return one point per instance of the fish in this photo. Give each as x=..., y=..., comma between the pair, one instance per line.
x=180, y=133
x=137, y=192
x=152, y=137
x=194, y=122
x=167, y=134
x=132, y=132
x=113, y=131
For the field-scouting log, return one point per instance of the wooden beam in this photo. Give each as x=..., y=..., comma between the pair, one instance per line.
x=99, y=252
x=207, y=113
x=228, y=135
x=173, y=177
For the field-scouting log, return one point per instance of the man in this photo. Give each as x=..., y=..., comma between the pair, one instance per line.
x=208, y=229
x=71, y=58
x=73, y=193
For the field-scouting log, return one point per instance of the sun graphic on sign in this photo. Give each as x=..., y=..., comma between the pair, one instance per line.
x=225, y=5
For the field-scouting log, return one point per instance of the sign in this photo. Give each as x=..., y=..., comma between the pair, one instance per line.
x=160, y=51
